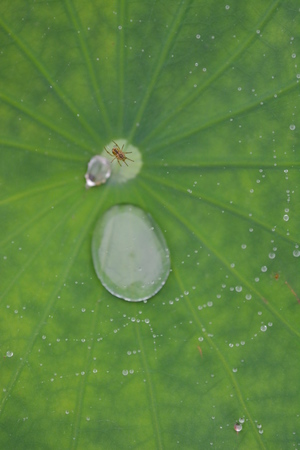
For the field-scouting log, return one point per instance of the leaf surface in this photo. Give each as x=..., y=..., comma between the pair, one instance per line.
x=209, y=94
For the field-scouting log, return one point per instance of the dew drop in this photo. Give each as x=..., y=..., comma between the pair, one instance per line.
x=263, y=328
x=238, y=427
x=130, y=254
x=9, y=354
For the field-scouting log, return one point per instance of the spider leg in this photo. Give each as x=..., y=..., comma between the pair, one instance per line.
x=119, y=163
x=117, y=145
x=129, y=159
x=108, y=152
x=126, y=152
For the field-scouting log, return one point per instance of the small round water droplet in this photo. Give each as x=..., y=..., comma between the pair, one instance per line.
x=9, y=354
x=238, y=427
x=98, y=171
x=263, y=328
x=130, y=254
x=285, y=217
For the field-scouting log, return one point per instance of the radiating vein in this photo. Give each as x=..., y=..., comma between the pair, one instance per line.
x=195, y=231
x=89, y=64
x=121, y=64
x=33, y=220
x=37, y=149
x=53, y=296
x=221, y=165
x=196, y=94
x=177, y=21
x=37, y=251
x=24, y=47
x=26, y=193
x=221, y=358
x=221, y=206
x=212, y=122
x=84, y=379
x=152, y=401
x=45, y=121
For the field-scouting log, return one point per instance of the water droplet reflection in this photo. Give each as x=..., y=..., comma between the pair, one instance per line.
x=98, y=171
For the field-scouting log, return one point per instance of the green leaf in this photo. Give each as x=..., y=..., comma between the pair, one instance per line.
x=208, y=91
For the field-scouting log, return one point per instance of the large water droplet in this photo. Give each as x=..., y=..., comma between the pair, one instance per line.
x=130, y=253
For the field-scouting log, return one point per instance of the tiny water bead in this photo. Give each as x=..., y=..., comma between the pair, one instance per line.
x=130, y=254
x=238, y=427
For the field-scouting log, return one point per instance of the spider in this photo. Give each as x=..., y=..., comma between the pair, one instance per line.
x=118, y=154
